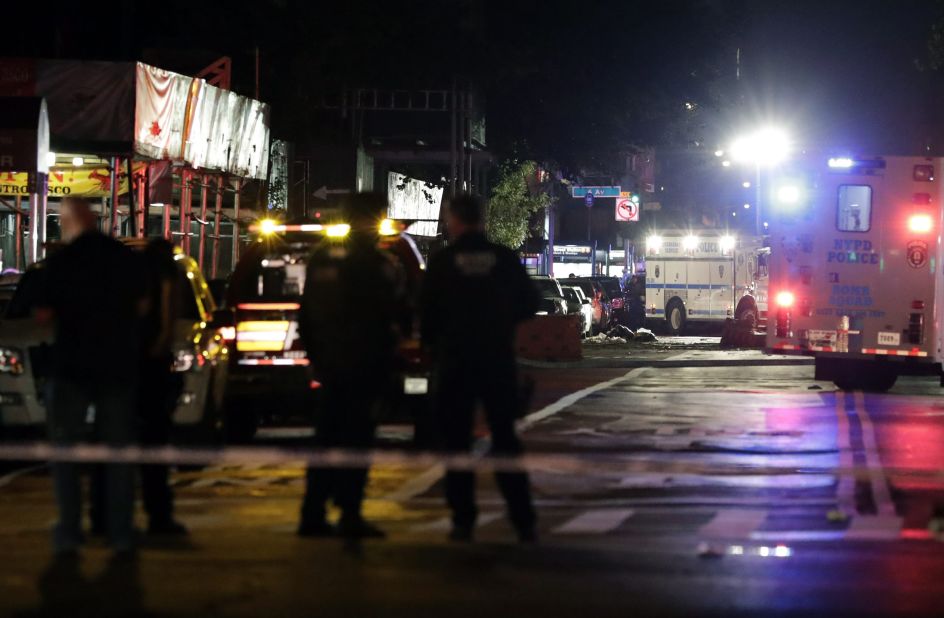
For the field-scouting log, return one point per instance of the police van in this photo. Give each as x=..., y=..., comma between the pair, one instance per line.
x=705, y=276
x=855, y=267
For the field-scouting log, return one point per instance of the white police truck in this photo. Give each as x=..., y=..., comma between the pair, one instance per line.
x=704, y=276
x=855, y=269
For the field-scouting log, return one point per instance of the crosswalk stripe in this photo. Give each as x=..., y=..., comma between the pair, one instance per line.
x=733, y=523
x=874, y=528
x=443, y=524
x=596, y=521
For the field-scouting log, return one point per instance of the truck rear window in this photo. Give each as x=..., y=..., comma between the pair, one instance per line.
x=854, y=213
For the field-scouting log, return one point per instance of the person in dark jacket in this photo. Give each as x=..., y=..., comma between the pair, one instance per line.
x=93, y=296
x=475, y=294
x=348, y=322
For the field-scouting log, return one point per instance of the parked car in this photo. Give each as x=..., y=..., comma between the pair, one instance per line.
x=199, y=355
x=577, y=302
x=552, y=296
x=614, y=291
x=599, y=300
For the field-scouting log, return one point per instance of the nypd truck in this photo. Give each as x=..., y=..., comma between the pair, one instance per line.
x=855, y=267
x=704, y=276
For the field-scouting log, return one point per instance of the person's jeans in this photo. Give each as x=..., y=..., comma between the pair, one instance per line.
x=114, y=426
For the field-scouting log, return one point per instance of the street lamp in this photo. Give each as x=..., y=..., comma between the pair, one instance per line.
x=766, y=147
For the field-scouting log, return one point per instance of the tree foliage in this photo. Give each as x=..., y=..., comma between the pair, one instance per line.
x=513, y=202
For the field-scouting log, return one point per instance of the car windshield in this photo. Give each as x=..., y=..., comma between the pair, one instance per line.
x=586, y=287
x=277, y=273
x=547, y=287
x=611, y=287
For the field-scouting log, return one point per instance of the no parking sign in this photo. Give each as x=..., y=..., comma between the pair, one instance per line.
x=626, y=209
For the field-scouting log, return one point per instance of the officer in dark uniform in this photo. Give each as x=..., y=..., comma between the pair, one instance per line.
x=350, y=308
x=475, y=294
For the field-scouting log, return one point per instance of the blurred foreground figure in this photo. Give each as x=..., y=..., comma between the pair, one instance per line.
x=160, y=387
x=351, y=302
x=473, y=355
x=92, y=295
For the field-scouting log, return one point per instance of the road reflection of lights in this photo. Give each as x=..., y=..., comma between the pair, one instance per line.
x=764, y=551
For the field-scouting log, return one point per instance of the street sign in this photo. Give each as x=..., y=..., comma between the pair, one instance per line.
x=577, y=191
x=652, y=206
x=627, y=210
x=589, y=199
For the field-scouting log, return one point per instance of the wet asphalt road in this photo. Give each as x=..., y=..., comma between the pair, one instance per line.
x=733, y=506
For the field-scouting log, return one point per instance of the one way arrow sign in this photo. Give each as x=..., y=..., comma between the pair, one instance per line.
x=324, y=192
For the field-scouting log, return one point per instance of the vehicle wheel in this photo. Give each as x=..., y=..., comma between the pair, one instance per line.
x=675, y=317
x=747, y=312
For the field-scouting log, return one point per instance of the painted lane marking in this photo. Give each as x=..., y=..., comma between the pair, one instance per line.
x=596, y=521
x=845, y=491
x=443, y=524
x=880, y=493
x=568, y=400
x=6, y=479
x=733, y=524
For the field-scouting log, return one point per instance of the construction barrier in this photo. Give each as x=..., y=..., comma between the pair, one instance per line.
x=549, y=338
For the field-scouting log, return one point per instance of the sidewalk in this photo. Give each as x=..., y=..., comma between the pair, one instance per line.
x=669, y=352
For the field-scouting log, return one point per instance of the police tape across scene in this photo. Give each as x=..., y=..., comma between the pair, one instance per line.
x=548, y=462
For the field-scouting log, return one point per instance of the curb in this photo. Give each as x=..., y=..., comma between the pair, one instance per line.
x=618, y=363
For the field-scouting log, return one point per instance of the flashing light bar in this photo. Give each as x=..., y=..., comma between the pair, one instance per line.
x=268, y=227
x=300, y=362
x=840, y=162
x=269, y=306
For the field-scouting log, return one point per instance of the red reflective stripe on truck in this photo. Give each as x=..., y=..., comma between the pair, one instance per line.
x=786, y=346
x=887, y=352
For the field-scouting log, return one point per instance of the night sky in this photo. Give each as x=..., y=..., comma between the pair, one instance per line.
x=565, y=82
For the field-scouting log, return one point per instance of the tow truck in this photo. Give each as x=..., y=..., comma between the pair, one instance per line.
x=269, y=380
x=855, y=270
x=705, y=276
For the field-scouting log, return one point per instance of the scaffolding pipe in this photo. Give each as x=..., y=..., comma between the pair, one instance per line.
x=185, y=211
x=214, y=267
x=132, y=213
x=203, y=218
x=113, y=183
x=18, y=231
x=236, y=223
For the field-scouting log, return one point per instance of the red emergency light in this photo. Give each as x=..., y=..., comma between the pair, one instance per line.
x=785, y=299
x=920, y=223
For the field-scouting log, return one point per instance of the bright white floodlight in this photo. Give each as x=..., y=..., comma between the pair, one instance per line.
x=765, y=147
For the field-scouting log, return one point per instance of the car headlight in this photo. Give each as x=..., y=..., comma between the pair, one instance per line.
x=11, y=361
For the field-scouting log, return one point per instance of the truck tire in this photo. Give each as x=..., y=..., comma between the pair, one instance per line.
x=746, y=312
x=675, y=317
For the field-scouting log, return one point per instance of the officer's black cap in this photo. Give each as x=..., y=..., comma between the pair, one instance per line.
x=364, y=207
x=467, y=208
